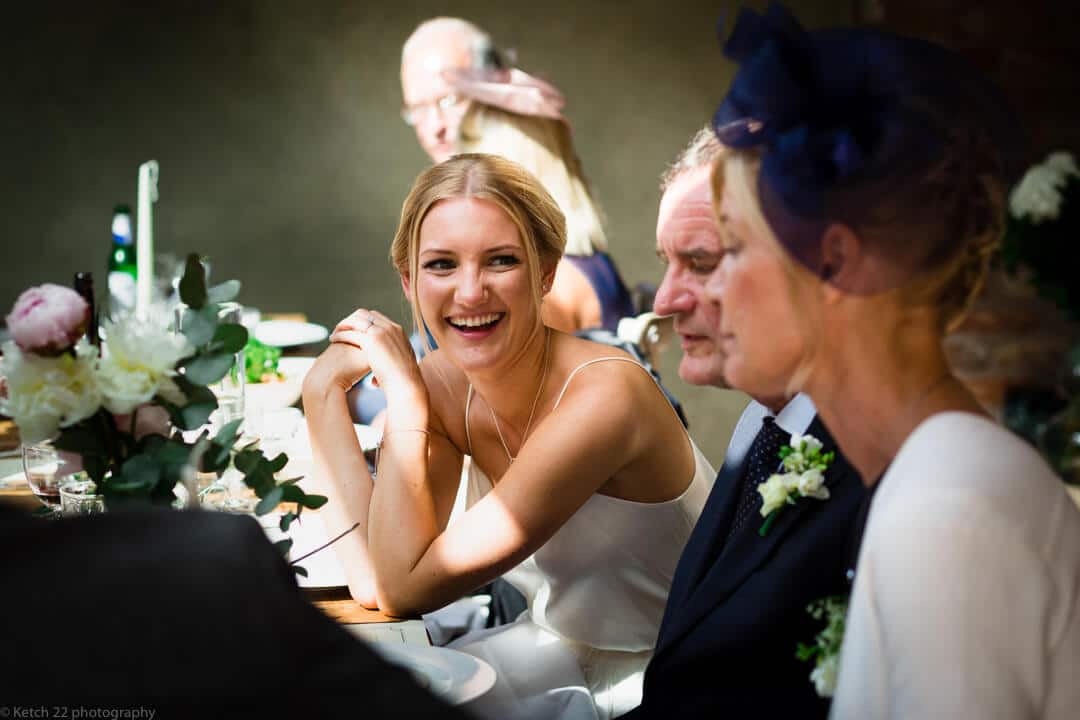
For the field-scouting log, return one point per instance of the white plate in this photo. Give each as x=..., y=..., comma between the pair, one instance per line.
x=454, y=676
x=286, y=333
x=276, y=394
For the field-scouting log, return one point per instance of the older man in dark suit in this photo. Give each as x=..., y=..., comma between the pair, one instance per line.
x=738, y=603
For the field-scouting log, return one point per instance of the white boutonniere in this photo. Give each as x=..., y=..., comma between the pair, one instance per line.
x=803, y=476
x=825, y=652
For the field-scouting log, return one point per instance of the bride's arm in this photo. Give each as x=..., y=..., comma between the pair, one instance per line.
x=339, y=467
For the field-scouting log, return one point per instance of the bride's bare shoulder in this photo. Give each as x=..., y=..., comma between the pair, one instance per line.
x=447, y=389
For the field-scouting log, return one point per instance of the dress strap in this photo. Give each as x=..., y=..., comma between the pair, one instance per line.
x=587, y=364
x=468, y=401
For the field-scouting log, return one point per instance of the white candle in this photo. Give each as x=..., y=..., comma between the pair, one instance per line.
x=144, y=237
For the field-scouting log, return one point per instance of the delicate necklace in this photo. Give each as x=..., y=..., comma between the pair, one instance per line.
x=539, y=388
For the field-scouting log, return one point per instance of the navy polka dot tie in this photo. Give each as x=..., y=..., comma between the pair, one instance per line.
x=762, y=460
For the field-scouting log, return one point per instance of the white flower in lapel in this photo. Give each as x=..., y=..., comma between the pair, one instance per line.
x=811, y=483
x=825, y=652
x=805, y=477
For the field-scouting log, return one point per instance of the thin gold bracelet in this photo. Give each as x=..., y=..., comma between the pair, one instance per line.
x=401, y=430
x=378, y=448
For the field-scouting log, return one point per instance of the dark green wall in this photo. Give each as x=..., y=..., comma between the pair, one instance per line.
x=282, y=154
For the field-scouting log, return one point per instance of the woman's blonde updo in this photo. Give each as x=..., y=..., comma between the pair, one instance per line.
x=960, y=203
x=535, y=214
x=934, y=231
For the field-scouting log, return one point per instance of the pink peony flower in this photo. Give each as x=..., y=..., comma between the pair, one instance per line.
x=149, y=420
x=49, y=319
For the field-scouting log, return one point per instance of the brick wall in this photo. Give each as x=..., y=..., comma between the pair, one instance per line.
x=1012, y=338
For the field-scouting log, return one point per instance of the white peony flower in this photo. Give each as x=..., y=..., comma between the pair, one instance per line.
x=774, y=492
x=824, y=675
x=49, y=393
x=139, y=362
x=1038, y=194
x=811, y=483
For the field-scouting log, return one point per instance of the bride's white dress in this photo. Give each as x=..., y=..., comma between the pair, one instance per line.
x=596, y=592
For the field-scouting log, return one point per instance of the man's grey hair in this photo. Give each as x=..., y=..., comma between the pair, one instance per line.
x=702, y=151
x=485, y=56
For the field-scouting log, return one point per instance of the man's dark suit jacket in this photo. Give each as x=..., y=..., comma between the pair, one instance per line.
x=191, y=614
x=727, y=643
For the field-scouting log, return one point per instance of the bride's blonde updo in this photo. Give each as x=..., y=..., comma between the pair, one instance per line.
x=537, y=217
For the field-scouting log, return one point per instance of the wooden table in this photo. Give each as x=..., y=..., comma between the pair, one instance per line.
x=337, y=603
x=9, y=436
x=370, y=625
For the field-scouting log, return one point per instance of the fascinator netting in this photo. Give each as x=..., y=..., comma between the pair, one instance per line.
x=844, y=119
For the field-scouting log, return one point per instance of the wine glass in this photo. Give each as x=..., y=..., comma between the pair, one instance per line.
x=41, y=464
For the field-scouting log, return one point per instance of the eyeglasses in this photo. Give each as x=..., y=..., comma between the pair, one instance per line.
x=412, y=114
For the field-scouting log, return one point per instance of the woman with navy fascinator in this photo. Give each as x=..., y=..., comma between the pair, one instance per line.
x=860, y=204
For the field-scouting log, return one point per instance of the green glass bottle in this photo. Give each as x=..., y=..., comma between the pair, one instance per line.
x=122, y=265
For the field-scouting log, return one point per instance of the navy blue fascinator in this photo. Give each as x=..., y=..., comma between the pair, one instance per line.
x=845, y=119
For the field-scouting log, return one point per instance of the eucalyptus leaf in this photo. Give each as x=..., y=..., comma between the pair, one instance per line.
x=299, y=570
x=260, y=480
x=198, y=326
x=226, y=437
x=208, y=369
x=171, y=452
x=225, y=292
x=193, y=392
x=291, y=493
x=312, y=502
x=269, y=501
x=193, y=283
x=283, y=546
x=194, y=415
x=216, y=457
x=230, y=338
x=247, y=460
x=286, y=521
x=141, y=470
x=279, y=462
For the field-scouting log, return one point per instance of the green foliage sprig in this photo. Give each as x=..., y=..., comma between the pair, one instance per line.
x=146, y=470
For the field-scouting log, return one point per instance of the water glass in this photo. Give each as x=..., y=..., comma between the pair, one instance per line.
x=78, y=496
x=41, y=464
x=275, y=429
x=230, y=389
